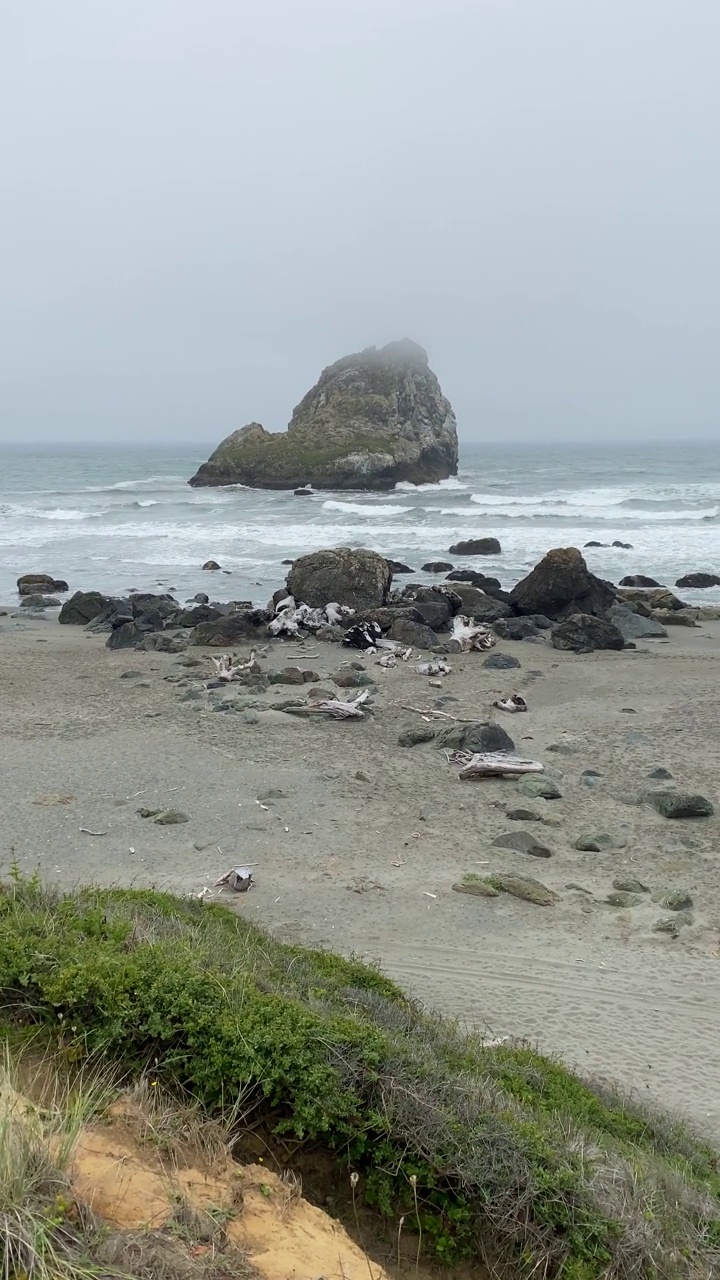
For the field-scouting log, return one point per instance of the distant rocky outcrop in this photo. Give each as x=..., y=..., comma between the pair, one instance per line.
x=371, y=420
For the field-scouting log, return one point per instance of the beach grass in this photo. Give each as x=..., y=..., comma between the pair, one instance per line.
x=491, y=1153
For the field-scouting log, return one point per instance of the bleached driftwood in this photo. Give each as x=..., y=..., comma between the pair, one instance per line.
x=433, y=669
x=387, y=660
x=471, y=635
x=492, y=764
x=335, y=707
x=227, y=667
x=512, y=702
x=290, y=617
x=238, y=878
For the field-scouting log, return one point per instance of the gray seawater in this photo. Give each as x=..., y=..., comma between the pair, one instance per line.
x=117, y=519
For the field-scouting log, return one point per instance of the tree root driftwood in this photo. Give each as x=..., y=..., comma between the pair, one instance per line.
x=492, y=764
x=227, y=666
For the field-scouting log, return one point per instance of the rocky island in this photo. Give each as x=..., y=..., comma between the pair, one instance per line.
x=372, y=419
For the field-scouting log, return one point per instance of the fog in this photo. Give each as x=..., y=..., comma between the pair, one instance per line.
x=202, y=204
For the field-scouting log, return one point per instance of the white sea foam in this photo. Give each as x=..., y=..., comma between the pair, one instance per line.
x=452, y=482
x=362, y=509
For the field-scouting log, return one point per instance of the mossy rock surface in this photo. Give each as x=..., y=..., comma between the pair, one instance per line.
x=372, y=419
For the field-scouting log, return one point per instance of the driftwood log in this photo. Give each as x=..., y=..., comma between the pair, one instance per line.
x=333, y=707
x=492, y=764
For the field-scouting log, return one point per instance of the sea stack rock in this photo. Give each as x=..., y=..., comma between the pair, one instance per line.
x=372, y=419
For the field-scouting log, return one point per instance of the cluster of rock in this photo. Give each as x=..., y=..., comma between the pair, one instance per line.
x=373, y=418
x=560, y=600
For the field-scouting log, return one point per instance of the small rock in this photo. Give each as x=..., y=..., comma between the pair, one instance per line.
x=598, y=841
x=673, y=924
x=436, y=566
x=476, y=547
x=525, y=887
x=309, y=676
x=288, y=675
x=415, y=734
x=270, y=793
x=591, y=773
x=211, y=565
x=628, y=884
x=250, y=716
x=147, y=813
x=192, y=695
x=352, y=679
x=678, y=900
x=523, y=842
x=563, y=748
x=131, y=675
x=501, y=662
x=680, y=804
x=361, y=776
x=427, y=812
x=620, y=899
x=171, y=818
x=539, y=788
x=522, y=815
x=660, y=774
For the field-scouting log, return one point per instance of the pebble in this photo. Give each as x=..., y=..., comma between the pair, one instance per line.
x=660, y=774
x=522, y=815
x=250, y=715
x=620, y=898
x=171, y=818
x=563, y=748
x=362, y=777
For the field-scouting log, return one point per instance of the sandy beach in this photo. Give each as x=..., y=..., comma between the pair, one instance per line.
x=355, y=842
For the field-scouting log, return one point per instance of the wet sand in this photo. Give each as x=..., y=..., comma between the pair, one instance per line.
x=361, y=849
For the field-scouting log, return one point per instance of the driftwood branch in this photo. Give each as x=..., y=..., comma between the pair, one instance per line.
x=334, y=707
x=492, y=764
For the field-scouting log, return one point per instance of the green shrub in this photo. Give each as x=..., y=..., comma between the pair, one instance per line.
x=495, y=1153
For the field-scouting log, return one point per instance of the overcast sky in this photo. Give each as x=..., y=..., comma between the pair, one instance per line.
x=203, y=202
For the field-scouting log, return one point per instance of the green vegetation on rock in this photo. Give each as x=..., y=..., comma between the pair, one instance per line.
x=372, y=419
x=513, y=1158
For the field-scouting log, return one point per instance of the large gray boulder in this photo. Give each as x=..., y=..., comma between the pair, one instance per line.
x=584, y=633
x=633, y=625
x=561, y=585
x=354, y=577
x=372, y=419
x=82, y=607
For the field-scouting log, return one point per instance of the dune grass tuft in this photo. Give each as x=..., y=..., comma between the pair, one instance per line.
x=496, y=1154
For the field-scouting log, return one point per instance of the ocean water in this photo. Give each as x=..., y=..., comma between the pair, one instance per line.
x=117, y=519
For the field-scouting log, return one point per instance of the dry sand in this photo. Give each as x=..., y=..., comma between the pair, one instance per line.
x=365, y=864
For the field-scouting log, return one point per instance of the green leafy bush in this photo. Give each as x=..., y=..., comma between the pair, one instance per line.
x=495, y=1153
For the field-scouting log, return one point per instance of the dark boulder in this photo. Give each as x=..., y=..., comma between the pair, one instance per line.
x=416, y=634
x=200, y=613
x=231, y=629
x=561, y=585
x=481, y=736
x=38, y=584
x=397, y=566
x=128, y=635
x=476, y=547
x=595, y=544
x=436, y=566
x=491, y=586
x=699, y=580
x=476, y=604
x=164, y=642
x=200, y=598
x=211, y=565
x=357, y=578
x=584, y=633
x=40, y=602
x=639, y=580
x=522, y=628
x=433, y=607
x=625, y=546
x=632, y=625
x=523, y=842
x=303, y=493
